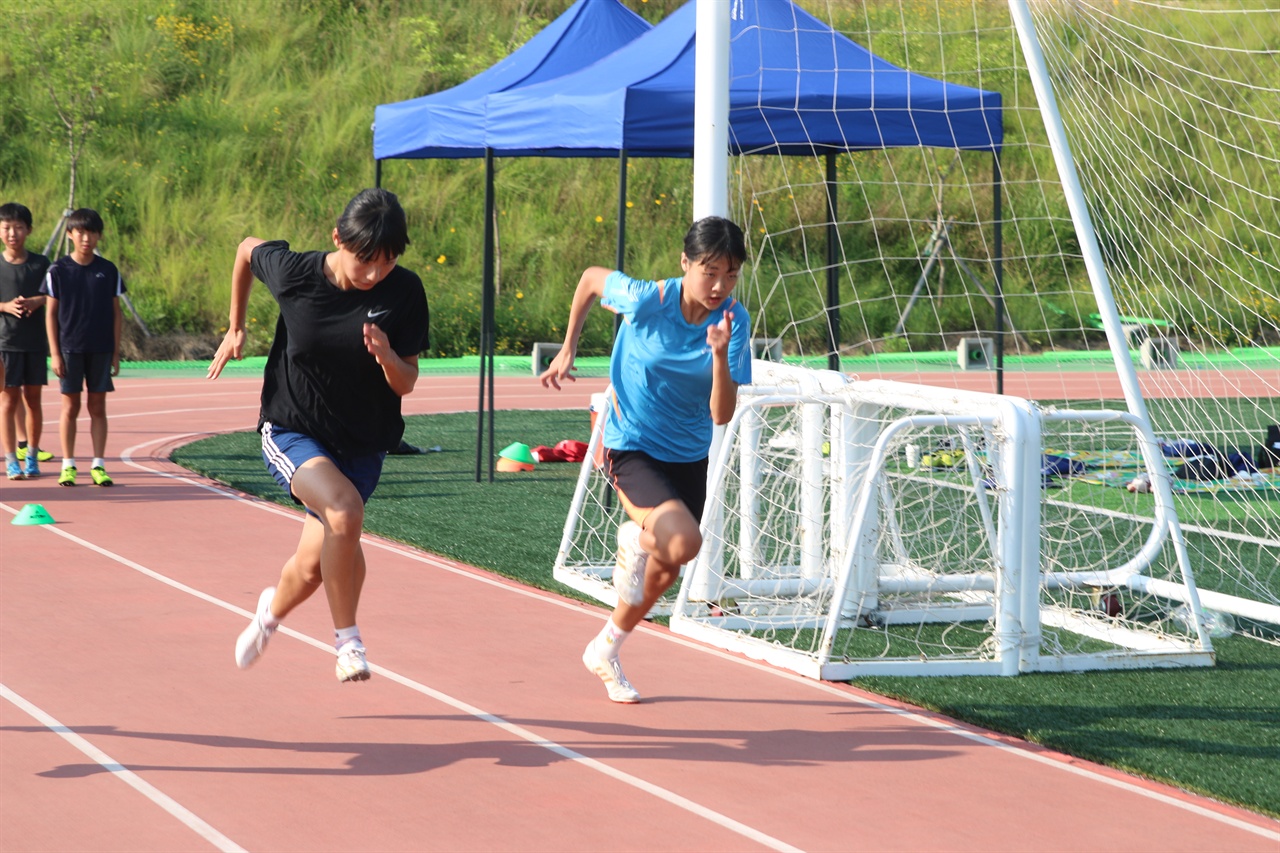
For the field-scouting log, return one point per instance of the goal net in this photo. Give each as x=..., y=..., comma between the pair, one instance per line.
x=1106, y=281
x=880, y=527
x=953, y=272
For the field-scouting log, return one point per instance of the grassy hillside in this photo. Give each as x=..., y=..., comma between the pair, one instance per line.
x=210, y=120
x=223, y=119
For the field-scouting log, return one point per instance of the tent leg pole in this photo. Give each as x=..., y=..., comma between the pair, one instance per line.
x=489, y=357
x=486, y=322
x=833, y=279
x=621, y=258
x=621, y=263
x=997, y=213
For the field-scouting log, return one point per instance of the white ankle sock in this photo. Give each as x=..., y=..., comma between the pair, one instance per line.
x=68, y=463
x=342, y=636
x=98, y=462
x=269, y=621
x=609, y=640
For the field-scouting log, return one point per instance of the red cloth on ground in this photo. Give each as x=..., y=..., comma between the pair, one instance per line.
x=572, y=451
x=564, y=451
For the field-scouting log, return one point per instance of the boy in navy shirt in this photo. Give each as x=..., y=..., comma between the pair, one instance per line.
x=83, y=322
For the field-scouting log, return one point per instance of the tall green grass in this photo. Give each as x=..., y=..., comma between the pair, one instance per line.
x=230, y=118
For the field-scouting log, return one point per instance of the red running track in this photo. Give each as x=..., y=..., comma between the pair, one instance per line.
x=124, y=724
x=1100, y=385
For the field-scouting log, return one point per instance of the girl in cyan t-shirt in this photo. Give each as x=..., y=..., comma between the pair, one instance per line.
x=682, y=350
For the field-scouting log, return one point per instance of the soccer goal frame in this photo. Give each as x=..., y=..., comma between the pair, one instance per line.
x=845, y=568
x=1021, y=576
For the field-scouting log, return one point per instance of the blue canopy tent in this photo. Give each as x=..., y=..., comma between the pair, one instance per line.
x=449, y=125
x=796, y=87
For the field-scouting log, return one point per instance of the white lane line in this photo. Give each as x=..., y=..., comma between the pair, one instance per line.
x=658, y=791
x=664, y=794
x=529, y=592
x=833, y=690
x=184, y=815
x=199, y=410
x=977, y=737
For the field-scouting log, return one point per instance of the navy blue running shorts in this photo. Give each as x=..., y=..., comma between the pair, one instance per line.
x=86, y=369
x=285, y=451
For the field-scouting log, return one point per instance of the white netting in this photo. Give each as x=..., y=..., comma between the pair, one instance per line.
x=891, y=528
x=587, y=553
x=858, y=527
x=1172, y=111
x=1156, y=380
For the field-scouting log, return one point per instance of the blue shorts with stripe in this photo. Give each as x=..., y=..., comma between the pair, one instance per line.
x=285, y=451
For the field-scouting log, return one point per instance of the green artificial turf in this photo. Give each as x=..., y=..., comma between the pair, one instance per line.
x=432, y=501
x=1215, y=731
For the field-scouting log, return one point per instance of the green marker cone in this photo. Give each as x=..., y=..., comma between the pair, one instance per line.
x=518, y=452
x=33, y=514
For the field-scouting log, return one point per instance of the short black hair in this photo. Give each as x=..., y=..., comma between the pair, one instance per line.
x=715, y=237
x=11, y=211
x=374, y=224
x=85, y=219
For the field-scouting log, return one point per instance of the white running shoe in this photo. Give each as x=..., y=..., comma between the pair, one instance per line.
x=610, y=672
x=351, y=663
x=628, y=572
x=253, y=640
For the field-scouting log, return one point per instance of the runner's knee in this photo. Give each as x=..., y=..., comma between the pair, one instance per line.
x=345, y=517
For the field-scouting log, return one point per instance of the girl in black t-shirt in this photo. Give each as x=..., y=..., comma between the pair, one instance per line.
x=344, y=354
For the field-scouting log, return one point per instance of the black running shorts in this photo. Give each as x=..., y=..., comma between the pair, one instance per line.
x=644, y=483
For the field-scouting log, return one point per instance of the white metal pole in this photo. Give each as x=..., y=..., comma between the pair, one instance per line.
x=750, y=478
x=1062, y=157
x=813, y=416
x=1097, y=270
x=711, y=110
x=711, y=125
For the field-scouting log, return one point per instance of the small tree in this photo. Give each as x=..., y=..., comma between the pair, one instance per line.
x=64, y=47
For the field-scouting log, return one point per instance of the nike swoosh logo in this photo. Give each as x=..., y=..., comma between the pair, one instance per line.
x=375, y=314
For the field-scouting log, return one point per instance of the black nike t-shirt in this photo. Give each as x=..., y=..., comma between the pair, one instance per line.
x=320, y=379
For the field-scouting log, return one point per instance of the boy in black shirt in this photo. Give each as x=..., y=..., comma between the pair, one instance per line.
x=345, y=352
x=23, y=342
x=83, y=322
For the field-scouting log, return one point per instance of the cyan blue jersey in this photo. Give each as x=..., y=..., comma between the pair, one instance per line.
x=661, y=369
